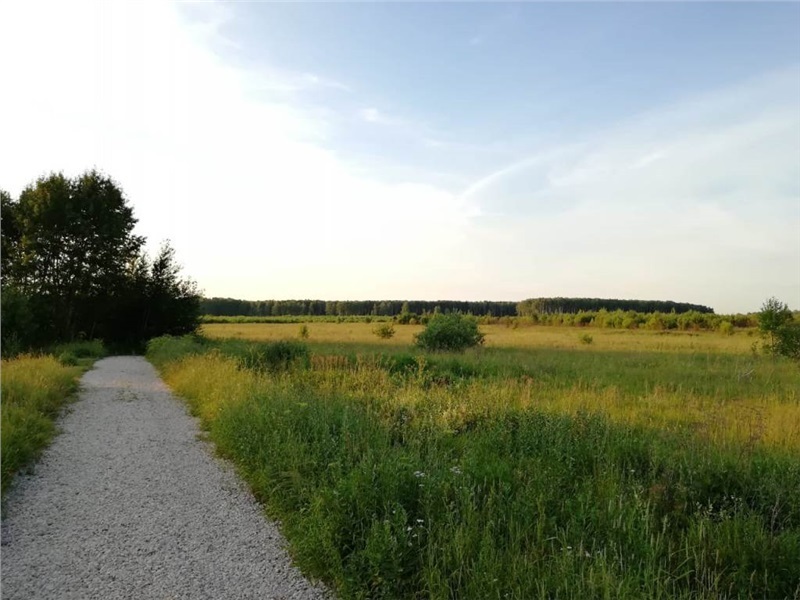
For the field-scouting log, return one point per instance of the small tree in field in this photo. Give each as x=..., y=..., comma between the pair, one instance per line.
x=384, y=331
x=450, y=332
x=779, y=328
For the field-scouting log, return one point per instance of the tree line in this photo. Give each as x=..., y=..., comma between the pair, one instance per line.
x=548, y=306
x=231, y=307
x=74, y=269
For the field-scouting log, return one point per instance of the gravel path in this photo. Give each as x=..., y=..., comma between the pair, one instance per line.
x=128, y=503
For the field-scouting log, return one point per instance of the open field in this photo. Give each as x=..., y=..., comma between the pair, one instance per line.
x=499, y=336
x=641, y=465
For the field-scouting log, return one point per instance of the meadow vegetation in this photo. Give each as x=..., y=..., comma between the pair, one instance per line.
x=34, y=390
x=644, y=464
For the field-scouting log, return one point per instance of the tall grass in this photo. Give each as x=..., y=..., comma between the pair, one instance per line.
x=34, y=388
x=415, y=476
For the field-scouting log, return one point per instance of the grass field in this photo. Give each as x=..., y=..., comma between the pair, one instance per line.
x=640, y=465
x=345, y=335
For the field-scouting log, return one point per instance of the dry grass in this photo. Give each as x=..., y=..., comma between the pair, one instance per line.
x=499, y=336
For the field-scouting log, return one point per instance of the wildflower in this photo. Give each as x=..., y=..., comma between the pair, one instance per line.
x=455, y=470
x=419, y=474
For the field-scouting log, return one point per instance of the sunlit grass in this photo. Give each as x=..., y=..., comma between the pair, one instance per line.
x=34, y=388
x=499, y=336
x=546, y=468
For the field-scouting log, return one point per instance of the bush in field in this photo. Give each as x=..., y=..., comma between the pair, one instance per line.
x=586, y=339
x=303, y=332
x=275, y=356
x=384, y=331
x=726, y=327
x=779, y=329
x=450, y=332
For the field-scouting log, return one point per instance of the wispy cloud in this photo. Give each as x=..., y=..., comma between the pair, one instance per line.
x=254, y=201
x=705, y=193
x=697, y=201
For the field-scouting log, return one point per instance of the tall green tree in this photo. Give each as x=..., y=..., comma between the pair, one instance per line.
x=75, y=242
x=73, y=266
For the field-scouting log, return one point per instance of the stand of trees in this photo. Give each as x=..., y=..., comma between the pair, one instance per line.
x=72, y=268
x=230, y=307
x=346, y=308
x=549, y=306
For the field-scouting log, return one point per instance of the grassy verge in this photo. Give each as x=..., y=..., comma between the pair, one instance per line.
x=414, y=476
x=34, y=389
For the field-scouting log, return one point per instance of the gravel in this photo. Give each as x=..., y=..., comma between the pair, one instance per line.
x=128, y=503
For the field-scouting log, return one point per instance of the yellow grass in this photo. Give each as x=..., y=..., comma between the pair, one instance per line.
x=498, y=336
x=764, y=410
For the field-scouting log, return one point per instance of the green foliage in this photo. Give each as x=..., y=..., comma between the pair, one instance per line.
x=451, y=332
x=303, y=332
x=72, y=268
x=384, y=497
x=82, y=349
x=20, y=329
x=586, y=339
x=68, y=359
x=384, y=331
x=781, y=332
x=726, y=327
x=576, y=305
x=272, y=357
x=348, y=308
x=167, y=348
x=33, y=390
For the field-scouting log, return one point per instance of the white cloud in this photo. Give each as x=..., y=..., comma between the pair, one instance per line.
x=699, y=201
x=253, y=202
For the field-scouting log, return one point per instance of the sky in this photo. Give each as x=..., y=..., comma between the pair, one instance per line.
x=464, y=151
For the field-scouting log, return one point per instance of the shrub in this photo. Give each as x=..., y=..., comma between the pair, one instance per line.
x=726, y=327
x=384, y=331
x=586, y=339
x=68, y=359
x=780, y=331
x=275, y=356
x=81, y=349
x=303, y=332
x=450, y=332
x=789, y=340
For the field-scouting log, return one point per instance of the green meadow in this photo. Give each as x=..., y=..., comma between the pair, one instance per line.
x=542, y=465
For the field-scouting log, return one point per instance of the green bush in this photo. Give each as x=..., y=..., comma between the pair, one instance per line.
x=81, y=349
x=384, y=331
x=68, y=359
x=451, y=332
x=780, y=331
x=275, y=356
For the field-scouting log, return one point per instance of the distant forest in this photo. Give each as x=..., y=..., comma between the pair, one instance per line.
x=390, y=308
x=549, y=306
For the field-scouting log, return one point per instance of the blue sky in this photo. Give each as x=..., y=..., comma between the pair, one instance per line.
x=432, y=151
